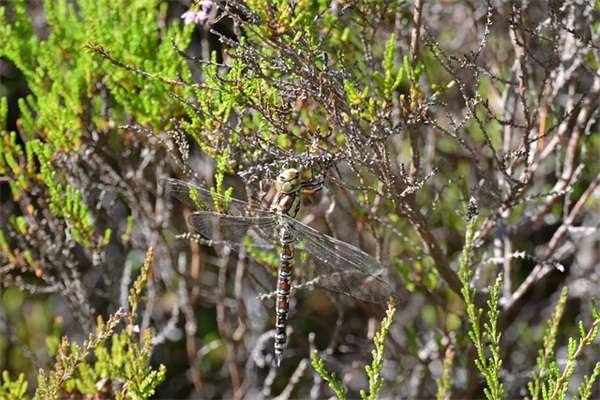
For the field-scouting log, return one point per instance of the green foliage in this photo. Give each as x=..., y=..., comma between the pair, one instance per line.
x=120, y=370
x=337, y=386
x=267, y=70
x=13, y=390
x=585, y=390
x=221, y=199
x=77, y=101
x=445, y=383
x=545, y=361
x=373, y=370
x=66, y=81
x=492, y=366
x=63, y=76
x=206, y=124
x=549, y=382
x=486, y=341
x=405, y=121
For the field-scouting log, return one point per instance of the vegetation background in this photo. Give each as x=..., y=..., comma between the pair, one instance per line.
x=461, y=143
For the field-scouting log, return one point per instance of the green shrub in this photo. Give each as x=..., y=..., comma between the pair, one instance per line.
x=417, y=116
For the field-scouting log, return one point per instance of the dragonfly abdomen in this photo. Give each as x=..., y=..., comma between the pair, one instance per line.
x=282, y=302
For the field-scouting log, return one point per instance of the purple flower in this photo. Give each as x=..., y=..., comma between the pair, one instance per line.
x=194, y=17
x=198, y=16
x=207, y=4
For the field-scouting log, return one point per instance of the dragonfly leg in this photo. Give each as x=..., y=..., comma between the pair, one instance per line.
x=312, y=186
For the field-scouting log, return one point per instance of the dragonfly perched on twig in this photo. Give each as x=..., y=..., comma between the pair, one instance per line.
x=335, y=265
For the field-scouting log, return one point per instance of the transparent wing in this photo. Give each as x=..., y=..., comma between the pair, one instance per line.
x=184, y=192
x=233, y=230
x=339, y=266
x=325, y=261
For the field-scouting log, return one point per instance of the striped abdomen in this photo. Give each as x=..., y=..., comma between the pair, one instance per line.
x=282, y=300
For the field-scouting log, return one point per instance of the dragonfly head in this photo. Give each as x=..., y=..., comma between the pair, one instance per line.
x=288, y=181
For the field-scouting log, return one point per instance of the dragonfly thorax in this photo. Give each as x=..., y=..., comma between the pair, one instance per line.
x=288, y=204
x=287, y=199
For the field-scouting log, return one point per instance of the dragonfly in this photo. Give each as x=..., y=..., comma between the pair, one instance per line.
x=335, y=265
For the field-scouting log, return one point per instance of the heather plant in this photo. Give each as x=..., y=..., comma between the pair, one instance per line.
x=459, y=145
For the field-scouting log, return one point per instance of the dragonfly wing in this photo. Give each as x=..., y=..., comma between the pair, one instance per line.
x=335, y=265
x=367, y=287
x=340, y=266
x=234, y=231
x=185, y=192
